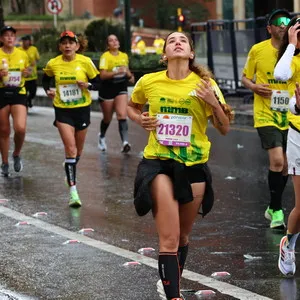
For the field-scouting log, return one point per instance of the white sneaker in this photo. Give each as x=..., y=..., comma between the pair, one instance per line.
x=126, y=147
x=286, y=261
x=102, y=144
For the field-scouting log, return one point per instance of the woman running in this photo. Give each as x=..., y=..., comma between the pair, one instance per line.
x=74, y=76
x=288, y=69
x=173, y=178
x=14, y=68
x=115, y=75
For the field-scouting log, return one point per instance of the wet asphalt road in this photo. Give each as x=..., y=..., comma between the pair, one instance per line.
x=36, y=264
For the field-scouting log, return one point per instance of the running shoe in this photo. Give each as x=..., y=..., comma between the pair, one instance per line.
x=74, y=199
x=276, y=217
x=161, y=291
x=18, y=164
x=102, y=144
x=286, y=261
x=4, y=170
x=126, y=147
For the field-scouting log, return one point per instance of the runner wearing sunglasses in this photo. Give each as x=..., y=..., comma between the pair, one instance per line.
x=288, y=68
x=74, y=76
x=271, y=101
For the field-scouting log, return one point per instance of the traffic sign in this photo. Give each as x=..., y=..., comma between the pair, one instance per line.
x=54, y=6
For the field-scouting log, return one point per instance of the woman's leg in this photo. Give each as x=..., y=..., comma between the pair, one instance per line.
x=19, y=115
x=80, y=136
x=107, y=108
x=166, y=215
x=4, y=133
x=121, y=102
x=67, y=134
x=187, y=214
x=294, y=217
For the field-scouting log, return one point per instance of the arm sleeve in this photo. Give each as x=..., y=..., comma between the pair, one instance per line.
x=96, y=83
x=283, y=69
x=46, y=80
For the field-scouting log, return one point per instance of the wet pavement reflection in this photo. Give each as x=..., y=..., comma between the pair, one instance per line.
x=233, y=238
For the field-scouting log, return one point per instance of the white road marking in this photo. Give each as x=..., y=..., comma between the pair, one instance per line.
x=222, y=287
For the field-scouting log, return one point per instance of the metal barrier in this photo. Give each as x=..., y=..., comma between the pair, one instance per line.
x=223, y=45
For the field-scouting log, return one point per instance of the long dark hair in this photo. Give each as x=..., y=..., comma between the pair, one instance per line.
x=285, y=39
x=200, y=70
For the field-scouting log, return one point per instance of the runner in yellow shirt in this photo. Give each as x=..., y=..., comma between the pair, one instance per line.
x=74, y=76
x=113, y=95
x=270, y=111
x=173, y=178
x=158, y=44
x=13, y=70
x=31, y=80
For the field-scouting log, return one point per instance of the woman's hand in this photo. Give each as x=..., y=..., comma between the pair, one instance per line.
x=3, y=73
x=51, y=93
x=293, y=32
x=148, y=123
x=82, y=84
x=26, y=72
x=206, y=93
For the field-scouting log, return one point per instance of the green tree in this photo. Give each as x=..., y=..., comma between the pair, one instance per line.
x=98, y=31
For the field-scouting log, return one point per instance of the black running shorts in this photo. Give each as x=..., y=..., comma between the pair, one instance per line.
x=11, y=96
x=271, y=137
x=110, y=90
x=79, y=118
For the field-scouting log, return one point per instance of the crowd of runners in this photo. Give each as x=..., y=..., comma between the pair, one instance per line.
x=173, y=179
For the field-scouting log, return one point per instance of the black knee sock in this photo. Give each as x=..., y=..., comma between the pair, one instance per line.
x=285, y=179
x=123, y=129
x=103, y=128
x=169, y=273
x=70, y=168
x=77, y=159
x=276, y=184
x=182, y=255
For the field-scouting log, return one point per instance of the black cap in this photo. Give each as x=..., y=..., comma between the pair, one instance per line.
x=7, y=28
x=26, y=38
x=279, y=11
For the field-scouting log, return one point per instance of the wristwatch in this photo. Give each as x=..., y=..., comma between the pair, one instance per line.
x=90, y=86
x=297, y=110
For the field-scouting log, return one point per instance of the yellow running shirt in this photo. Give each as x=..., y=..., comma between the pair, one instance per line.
x=68, y=94
x=260, y=65
x=17, y=62
x=111, y=62
x=295, y=67
x=176, y=100
x=34, y=56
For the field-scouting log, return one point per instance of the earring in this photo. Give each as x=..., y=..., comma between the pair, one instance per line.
x=192, y=56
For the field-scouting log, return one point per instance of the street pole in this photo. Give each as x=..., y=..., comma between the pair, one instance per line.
x=127, y=26
x=55, y=20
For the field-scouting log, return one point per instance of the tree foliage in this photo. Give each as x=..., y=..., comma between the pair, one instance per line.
x=97, y=32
